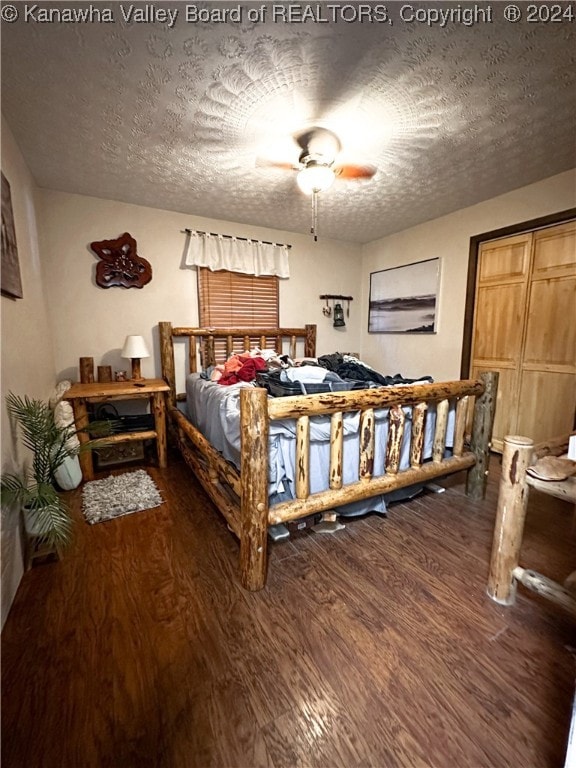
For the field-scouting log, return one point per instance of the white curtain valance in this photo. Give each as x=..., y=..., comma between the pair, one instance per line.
x=250, y=257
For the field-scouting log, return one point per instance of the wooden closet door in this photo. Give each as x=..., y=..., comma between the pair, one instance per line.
x=547, y=393
x=499, y=315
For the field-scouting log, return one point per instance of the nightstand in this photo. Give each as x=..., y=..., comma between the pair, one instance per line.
x=100, y=392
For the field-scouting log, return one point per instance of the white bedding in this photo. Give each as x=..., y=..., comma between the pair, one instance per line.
x=214, y=409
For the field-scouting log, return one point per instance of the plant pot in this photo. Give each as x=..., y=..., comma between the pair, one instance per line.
x=31, y=523
x=69, y=475
x=36, y=546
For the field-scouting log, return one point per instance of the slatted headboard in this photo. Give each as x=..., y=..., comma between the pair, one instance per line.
x=203, y=343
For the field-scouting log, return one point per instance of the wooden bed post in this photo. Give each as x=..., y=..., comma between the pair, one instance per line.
x=510, y=516
x=310, y=341
x=254, y=423
x=484, y=409
x=167, y=358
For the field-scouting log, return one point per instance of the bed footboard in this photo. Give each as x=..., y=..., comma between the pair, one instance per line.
x=258, y=410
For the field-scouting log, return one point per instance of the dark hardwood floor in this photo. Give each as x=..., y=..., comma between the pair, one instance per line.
x=376, y=646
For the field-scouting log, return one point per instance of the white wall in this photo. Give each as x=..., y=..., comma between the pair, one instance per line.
x=27, y=357
x=87, y=320
x=449, y=238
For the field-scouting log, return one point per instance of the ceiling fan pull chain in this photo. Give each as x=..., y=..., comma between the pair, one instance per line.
x=314, y=214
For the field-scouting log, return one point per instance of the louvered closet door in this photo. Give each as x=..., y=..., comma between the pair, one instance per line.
x=525, y=328
x=499, y=313
x=548, y=384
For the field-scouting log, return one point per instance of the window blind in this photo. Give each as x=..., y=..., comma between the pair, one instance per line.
x=235, y=300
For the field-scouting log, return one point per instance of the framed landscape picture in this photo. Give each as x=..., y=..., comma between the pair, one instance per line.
x=11, y=283
x=404, y=299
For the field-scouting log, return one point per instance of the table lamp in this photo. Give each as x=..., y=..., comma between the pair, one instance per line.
x=135, y=348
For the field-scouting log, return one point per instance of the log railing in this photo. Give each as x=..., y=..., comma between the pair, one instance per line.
x=258, y=410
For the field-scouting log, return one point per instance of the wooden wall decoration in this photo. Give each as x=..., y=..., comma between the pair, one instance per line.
x=120, y=265
x=11, y=281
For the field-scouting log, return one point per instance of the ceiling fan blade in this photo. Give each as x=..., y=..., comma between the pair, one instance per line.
x=263, y=162
x=354, y=171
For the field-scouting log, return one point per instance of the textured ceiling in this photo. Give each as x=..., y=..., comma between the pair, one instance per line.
x=175, y=117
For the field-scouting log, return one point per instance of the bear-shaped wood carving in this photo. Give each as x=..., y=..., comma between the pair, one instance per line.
x=120, y=263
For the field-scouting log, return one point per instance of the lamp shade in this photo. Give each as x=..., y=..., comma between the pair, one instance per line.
x=135, y=346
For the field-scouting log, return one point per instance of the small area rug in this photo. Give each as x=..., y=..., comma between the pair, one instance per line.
x=119, y=495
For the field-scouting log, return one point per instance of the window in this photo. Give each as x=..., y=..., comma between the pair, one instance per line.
x=234, y=300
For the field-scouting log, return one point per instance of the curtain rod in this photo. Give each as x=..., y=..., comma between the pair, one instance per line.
x=234, y=237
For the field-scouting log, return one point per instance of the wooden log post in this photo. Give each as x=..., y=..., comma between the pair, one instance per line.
x=207, y=348
x=395, y=435
x=254, y=423
x=417, y=434
x=86, y=370
x=336, y=444
x=167, y=357
x=292, y=347
x=460, y=426
x=303, y=457
x=159, y=411
x=310, y=341
x=484, y=410
x=192, y=355
x=202, y=348
x=439, y=446
x=367, y=440
x=510, y=516
x=104, y=373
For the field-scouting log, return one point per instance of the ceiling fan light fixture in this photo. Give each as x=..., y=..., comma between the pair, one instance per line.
x=315, y=177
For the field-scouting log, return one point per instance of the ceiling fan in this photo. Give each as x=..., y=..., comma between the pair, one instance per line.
x=317, y=165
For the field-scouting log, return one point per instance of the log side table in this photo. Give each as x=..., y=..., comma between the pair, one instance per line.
x=99, y=392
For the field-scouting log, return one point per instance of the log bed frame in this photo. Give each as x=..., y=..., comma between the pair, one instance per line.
x=242, y=496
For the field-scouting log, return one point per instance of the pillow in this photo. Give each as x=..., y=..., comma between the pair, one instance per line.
x=64, y=417
x=59, y=391
x=69, y=474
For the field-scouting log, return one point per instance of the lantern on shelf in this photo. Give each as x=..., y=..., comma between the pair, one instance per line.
x=337, y=308
x=338, y=316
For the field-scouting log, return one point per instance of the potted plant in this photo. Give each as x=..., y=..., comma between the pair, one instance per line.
x=46, y=514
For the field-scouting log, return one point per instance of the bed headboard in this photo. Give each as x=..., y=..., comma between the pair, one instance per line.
x=202, y=344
